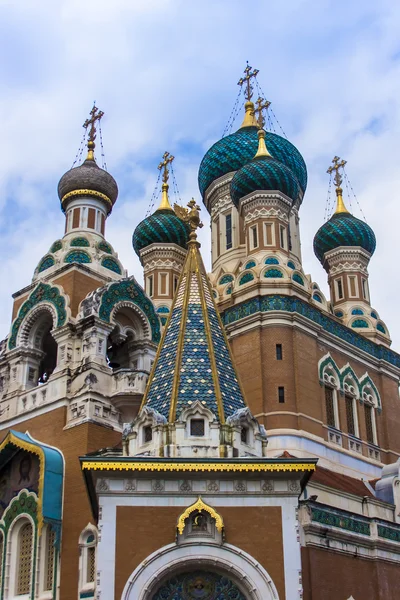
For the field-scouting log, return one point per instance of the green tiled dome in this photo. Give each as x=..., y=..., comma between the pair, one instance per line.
x=235, y=150
x=343, y=229
x=264, y=173
x=162, y=227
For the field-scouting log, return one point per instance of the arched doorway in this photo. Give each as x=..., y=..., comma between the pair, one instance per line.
x=199, y=585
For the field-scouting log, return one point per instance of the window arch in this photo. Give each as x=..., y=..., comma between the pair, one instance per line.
x=21, y=553
x=351, y=393
x=370, y=398
x=330, y=378
x=87, y=559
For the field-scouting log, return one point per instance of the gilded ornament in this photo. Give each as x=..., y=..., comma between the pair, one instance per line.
x=200, y=506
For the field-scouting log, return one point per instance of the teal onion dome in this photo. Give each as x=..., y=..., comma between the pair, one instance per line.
x=264, y=173
x=236, y=150
x=343, y=229
x=162, y=227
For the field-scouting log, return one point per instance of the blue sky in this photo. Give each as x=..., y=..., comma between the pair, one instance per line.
x=165, y=74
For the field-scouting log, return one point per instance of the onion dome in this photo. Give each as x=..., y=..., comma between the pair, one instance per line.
x=343, y=229
x=236, y=150
x=88, y=180
x=264, y=173
x=162, y=227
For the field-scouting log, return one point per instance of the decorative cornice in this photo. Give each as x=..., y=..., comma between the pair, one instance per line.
x=76, y=193
x=291, y=304
x=227, y=466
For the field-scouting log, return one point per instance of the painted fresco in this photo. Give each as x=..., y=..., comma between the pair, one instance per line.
x=21, y=473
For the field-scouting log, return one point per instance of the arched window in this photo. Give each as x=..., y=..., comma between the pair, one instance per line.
x=41, y=366
x=87, y=560
x=350, y=386
x=370, y=400
x=24, y=559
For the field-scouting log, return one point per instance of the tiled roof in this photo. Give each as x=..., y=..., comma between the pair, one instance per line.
x=340, y=482
x=193, y=362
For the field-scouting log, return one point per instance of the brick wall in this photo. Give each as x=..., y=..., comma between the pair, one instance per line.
x=143, y=530
x=73, y=443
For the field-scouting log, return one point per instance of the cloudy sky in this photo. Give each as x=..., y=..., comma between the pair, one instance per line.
x=165, y=73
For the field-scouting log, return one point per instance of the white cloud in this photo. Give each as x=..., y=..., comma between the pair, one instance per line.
x=165, y=73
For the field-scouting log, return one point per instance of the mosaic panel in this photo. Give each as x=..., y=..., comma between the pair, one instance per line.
x=271, y=260
x=77, y=256
x=129, y=290
x=80, y=241
x=104, y=247
x=46, y=263
x=250, y=264
x=273, y=273
x=291, y=264
x=296, y=305
x=298, y=279
x=42, y=293
x=226, y=279
x=341, y=520
x=199, y=585
x=111, y=264
x=389, y=533
x=361, y=323
x=317, y=298
x=56, y=246
x=246, y=278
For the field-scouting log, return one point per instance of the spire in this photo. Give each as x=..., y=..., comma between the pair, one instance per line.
x=262, y=148
x=340, y=206
x=249, y=118
x=167, y=159
x=96, y=115
x=193, y=362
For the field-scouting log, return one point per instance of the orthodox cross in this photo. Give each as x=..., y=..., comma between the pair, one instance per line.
x=95, y=116
x=261, y=105
x=335, y=167
x=249, y=74
x=167, y=159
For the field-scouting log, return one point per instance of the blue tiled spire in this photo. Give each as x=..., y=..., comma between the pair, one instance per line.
x=194, y=362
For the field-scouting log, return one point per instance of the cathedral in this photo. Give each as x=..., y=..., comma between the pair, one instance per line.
x=231, y=435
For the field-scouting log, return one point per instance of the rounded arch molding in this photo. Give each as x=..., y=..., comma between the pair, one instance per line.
x=47, y=297
x=250, y=577
x=139, y=314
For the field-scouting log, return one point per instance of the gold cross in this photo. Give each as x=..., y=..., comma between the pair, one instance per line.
x=168, y=158
x=335, y=167
x=246, y=79
x=95, y=116
x=261, y=106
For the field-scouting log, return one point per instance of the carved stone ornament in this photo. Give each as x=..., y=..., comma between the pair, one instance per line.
x=294, y=486
x=102, y=486
x=186, y=486
x=240, y=486
x=213, y=486
x=158, y=486
x=267, y=486
x=130, y=485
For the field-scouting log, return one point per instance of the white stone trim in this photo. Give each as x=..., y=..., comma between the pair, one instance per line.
x=241, y=567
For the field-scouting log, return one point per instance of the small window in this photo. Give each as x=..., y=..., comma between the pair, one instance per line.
x=197, y=427
x=228, y=231
x=253, y=237
x=351, y=429
x=368, y=423
x=279, y=352
x=147, y=434
x=91, y=564
x=244, y=435
x=24, y=570
x=365, y=289
x=339, y=289
x=150, y=286
x=31, y=374
x=330, y=409
x=352, y=286
x=49, y=560
x=281, y=394
x=163, y=284
x=282, y=233
x=269, y=239
x=176, y=279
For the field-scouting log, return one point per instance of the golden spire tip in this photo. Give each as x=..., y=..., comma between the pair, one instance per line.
x=336, y=166
x=262, y=148
x=95, y=115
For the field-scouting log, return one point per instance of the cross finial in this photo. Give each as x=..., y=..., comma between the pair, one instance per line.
x=338, y=164
x=335, y=167
x=249, y=74
x=261, y=106
x=95, y=115
x=167, y=159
